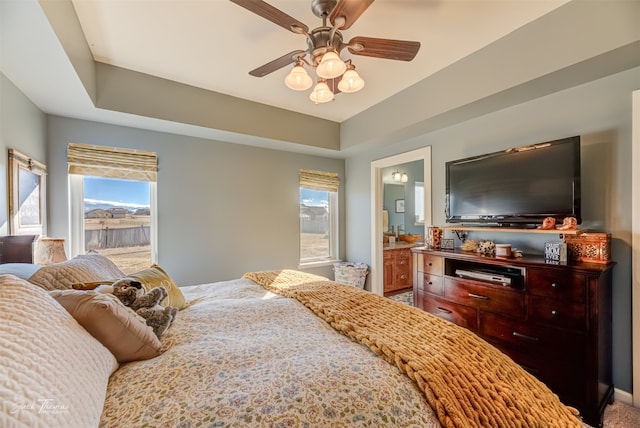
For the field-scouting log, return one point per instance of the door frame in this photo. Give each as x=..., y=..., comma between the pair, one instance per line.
x=424, y=154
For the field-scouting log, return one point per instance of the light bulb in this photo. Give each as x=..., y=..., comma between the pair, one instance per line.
x=321, y=93
x=298, y=79
x=351, y=81
x=331, y=66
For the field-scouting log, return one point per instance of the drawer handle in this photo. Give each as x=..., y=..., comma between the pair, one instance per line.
x=554, y=312
x=555, y=285
x=429, y=283
x=403, y=276
x=446, y=311
x=478, y=296
x=403, y=262
x=525, y=337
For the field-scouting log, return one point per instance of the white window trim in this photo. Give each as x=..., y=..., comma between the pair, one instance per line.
x=333, y=240
x=76, y=216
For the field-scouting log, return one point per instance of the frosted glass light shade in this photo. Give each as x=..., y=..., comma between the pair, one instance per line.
x=351, y=82
x=331, y=66
x=321, y=93
x=404, y=177
x=298, y=79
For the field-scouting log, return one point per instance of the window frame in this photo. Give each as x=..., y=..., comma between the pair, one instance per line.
x=333, y=235
x=76, y=216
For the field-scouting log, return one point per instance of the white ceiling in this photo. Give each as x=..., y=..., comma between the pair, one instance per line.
x=212, y=44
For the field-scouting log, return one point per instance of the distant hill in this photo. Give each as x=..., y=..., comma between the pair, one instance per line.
x=107, y=205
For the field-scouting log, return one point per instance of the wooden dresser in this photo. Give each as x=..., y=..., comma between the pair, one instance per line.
x=398, y=272
x=552, y=319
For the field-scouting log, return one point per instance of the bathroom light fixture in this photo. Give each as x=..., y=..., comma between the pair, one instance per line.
x=400, y=177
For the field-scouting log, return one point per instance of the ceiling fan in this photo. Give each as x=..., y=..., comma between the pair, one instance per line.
x=324, y=45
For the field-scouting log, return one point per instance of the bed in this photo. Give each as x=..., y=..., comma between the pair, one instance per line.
x=271, y=349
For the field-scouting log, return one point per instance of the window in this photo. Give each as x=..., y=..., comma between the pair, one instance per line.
x=419, y=203
x=318, y=217
x=113, y=204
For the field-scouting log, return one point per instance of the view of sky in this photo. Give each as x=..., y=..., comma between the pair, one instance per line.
x=314, y=198
x=101, y=192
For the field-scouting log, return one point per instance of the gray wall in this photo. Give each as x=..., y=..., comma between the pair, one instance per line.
x=223, y=209
x=600, y=112
x=22, y=127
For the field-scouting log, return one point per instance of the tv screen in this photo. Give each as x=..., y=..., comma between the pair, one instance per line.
x=517, y=186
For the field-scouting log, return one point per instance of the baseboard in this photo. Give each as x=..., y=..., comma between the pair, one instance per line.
x=623, y=396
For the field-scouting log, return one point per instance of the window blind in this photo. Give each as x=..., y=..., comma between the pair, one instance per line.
x=112, y=162
x=319, y=180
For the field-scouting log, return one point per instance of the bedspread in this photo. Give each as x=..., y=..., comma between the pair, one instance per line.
x=242, y=356
x=466, y=380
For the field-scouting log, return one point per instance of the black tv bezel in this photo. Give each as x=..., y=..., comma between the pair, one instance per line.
x=508, y=220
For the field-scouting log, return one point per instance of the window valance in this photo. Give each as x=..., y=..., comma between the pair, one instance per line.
x=112, y=162
x=319, y=180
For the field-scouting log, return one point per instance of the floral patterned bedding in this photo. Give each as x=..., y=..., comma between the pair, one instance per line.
x=242, y=356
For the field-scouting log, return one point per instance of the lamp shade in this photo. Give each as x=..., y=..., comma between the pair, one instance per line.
x=321, y=93
x=49, y=250
x=298, y=79
x=331, y=66
x=351, y=81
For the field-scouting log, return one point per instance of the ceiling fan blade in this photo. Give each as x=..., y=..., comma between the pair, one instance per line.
x=402, y=50
x=274, y=15
x=350, y=10
x=276, y=64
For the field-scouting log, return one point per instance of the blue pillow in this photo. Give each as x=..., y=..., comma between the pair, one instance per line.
x=21, y=270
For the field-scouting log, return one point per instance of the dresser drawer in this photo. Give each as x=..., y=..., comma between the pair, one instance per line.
x=431, y=284
x=557, y=313
x=432, y=264
x=486, y=298
x=461, y=315
x=565, y=378
x=546, y=342
x=559, y=285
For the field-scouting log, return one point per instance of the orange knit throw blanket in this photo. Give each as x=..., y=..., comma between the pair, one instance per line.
x=467, y=381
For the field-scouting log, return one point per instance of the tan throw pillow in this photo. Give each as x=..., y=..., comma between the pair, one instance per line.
x=52, y=372
x=117, y=327
x=156, y=276
x=83, y=268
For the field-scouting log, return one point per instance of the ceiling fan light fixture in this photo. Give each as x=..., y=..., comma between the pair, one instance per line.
x=321, y=93
x=331, y=66
x=351, y=81
x=298, y=79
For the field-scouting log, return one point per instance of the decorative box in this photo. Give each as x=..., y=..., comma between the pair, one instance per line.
x=555, y=251
x=589, y=247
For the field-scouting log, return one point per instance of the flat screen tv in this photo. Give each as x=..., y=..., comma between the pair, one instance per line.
x=516, y=187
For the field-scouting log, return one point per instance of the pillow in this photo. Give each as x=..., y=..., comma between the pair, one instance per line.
x=117, y=327
x=83, y=268
x=52, y=372
x=156, y=276
x=21, y=270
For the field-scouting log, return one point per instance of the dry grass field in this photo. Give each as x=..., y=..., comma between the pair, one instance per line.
x=129, y=259
x=313, y=245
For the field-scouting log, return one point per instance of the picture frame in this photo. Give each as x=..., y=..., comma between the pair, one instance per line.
x=447, y=244
x=399, y=205
x=27, y=195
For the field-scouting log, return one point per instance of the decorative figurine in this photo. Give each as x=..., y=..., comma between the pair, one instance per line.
x=548, y=223
x=569, y=223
